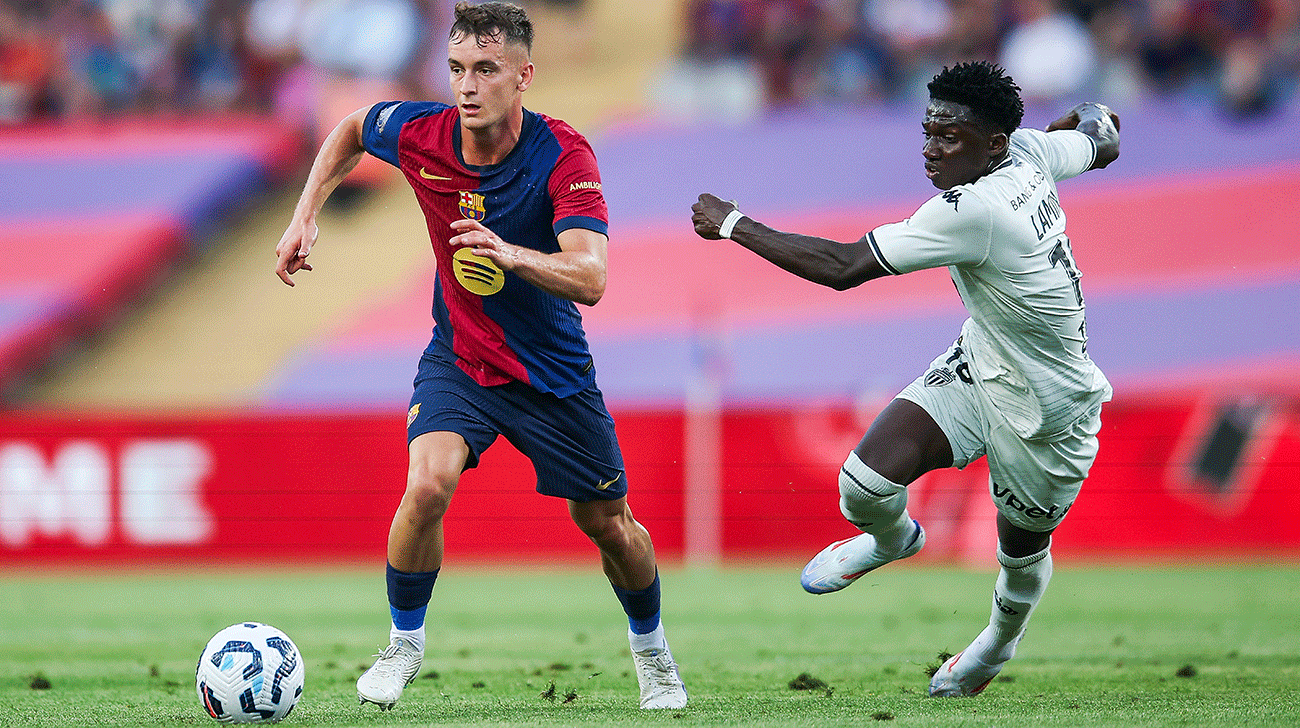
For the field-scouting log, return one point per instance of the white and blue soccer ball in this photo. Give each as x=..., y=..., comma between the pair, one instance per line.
x=249, y=673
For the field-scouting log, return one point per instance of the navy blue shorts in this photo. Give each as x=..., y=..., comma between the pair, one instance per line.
x=570, y=440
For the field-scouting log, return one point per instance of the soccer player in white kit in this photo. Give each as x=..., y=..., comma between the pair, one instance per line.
x=1017, y=386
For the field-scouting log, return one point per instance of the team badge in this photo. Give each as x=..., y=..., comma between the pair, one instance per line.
x=477, y=274
x=939, y=377
x=471, y=205
x=412, y=414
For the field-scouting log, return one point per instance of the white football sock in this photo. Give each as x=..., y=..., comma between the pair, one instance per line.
x=1021, y=583
x=649, y=641
x=414, y=636
x=875, y=505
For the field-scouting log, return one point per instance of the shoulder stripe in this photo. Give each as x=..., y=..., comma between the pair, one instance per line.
x=880, y=257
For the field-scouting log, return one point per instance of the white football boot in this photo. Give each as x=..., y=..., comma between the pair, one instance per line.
x=969, y=678
x=396, y=668
x=844, y=562
x=661, y=685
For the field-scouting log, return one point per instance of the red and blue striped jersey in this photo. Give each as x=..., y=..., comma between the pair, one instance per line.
x=499, y=326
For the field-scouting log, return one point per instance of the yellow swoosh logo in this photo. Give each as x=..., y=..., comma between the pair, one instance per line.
x=609, y=482
x=426, y=175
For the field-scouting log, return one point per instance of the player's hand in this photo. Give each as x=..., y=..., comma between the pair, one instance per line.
x=294, y=246
x=1071, y=118
x=485, y=243
x=707, y=215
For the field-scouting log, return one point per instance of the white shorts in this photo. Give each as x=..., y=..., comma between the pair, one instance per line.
x=1033, y=483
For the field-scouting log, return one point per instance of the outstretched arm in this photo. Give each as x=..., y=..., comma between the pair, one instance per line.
x=339, y=154
x=1097, y=121
x=834, y=264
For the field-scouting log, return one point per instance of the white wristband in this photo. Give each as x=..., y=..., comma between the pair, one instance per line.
x=729, y=223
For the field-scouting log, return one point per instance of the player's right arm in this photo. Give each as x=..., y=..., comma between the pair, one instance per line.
x=831, y=263
x=339, y=154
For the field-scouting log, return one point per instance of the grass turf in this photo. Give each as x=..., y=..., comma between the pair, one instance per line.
x=1123, y=646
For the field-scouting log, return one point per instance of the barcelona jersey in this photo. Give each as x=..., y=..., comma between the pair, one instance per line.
x=499, y=327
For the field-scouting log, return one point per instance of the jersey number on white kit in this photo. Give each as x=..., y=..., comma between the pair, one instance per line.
x=1063, y=255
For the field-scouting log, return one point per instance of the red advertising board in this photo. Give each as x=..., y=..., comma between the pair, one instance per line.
x=1176, y=478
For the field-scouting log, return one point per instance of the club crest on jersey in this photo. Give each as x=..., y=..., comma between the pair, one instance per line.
x=471, y=205
x=477, y=274
x=412, y=414
x=939, y=377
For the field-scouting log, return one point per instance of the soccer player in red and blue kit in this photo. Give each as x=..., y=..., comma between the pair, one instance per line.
x=519, y=230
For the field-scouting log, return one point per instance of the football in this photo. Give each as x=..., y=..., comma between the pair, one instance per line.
x=249, y=673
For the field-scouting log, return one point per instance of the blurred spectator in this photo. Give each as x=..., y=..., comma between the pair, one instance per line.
x=1246, y=36
x=28, y=68
x=1048, y=51
x=1114, y=27
x=367, y=38
x=716, y=73
x=1173, y=54
x=886, y=45
x=792, y=42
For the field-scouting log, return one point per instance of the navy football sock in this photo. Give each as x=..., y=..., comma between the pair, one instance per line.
x=408, y=596
x=642, y=606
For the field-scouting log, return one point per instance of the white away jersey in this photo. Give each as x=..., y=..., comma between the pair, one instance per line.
x=1003, y=240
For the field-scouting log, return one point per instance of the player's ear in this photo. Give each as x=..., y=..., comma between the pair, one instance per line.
x=525, y=77
x=998, y=142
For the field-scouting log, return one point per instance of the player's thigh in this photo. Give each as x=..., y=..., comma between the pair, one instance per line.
x=436, y=460
x=1033, y=483
x=445, y=400
x=904, y=442
x=946, y=393
x=571, y=443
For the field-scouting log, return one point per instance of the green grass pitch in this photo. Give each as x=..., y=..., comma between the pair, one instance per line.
x=1125, y=646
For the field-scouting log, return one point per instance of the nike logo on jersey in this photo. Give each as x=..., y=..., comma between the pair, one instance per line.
x=607, y=483
x=426, y=175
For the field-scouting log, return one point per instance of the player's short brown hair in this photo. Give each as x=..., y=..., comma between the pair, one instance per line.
x=491, y=21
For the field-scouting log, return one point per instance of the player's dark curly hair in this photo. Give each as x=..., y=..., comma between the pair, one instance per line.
x=492, y=20
x=985, y=89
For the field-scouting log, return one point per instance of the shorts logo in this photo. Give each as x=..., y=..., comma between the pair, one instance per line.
x=607, y=483
x=382, y=119
x=939, y=377
x=1010, y=499
x=471, y=205
x=412, y=414
x=477, y=274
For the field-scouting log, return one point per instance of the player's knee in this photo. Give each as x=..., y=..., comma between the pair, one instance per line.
x=429, y=490
x=604, y=524
x=867, y=496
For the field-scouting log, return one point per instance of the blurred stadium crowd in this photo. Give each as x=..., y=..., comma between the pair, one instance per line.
x=69, y=58
x=1243, y=54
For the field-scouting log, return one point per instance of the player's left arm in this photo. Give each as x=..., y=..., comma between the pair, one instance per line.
x=577, y=272
x=1098, y=122
x=831, y=263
